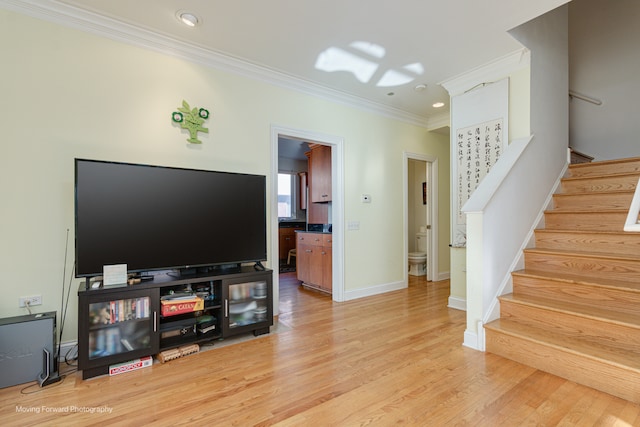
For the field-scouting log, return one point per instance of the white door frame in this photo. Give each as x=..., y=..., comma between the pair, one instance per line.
x=337, y=204
x=432, y=212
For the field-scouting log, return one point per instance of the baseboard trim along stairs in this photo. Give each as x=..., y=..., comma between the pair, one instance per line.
x=575, y=307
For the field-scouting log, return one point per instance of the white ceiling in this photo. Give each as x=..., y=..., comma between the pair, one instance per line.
x=283, y=39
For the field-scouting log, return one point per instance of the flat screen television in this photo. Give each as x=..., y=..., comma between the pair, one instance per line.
x=166, y=218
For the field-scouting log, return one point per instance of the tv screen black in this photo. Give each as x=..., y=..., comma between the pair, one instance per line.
x=156, y=218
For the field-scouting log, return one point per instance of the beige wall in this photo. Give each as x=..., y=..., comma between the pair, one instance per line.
x=519, y=99
x=68, y=94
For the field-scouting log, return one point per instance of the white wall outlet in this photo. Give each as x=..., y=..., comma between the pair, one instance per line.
x=34, y=300
x=366, y=198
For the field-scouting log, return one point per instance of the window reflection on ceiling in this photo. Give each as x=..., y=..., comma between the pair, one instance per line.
x=360, y=59
x=336, y=59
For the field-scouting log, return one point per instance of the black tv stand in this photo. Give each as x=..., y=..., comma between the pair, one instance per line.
x=226, y=268
x=122, y=323
x=258, y=266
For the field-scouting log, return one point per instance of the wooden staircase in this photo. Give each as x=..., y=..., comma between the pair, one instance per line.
x=575, y=308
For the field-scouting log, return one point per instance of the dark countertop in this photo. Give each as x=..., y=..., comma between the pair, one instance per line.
x=292, y=224
x=314, y=232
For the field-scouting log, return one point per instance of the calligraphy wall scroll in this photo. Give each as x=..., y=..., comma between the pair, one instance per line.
x=479, y=134
x=478, y=148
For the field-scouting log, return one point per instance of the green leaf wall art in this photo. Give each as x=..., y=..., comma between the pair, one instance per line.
x=192, y=120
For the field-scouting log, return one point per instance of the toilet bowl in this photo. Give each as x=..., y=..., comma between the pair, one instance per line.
x=417, y=263
x=418, y=260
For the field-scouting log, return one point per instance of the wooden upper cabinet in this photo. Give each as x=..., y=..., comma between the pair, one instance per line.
x=320, y=173
x=302, y=189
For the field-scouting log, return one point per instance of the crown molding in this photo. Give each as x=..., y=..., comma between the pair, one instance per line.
x=490, y=72
x=439, y=122
x=83, y=20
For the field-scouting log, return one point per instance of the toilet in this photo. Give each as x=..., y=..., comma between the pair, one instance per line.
x=418, y=259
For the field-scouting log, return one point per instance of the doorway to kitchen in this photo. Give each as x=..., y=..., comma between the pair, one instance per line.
x=335, y=213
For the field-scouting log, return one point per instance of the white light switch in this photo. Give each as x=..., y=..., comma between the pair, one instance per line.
x=353, y=225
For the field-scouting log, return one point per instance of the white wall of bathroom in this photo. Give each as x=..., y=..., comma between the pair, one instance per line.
x=67, y=94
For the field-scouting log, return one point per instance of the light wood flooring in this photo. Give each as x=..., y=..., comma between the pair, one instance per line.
x=390, y=359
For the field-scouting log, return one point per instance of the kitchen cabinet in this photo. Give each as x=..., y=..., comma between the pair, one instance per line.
x=302, y=190
x=320, y=173
x=314, y=260
x=287, y=239
x=327, y=262
x=319, y=183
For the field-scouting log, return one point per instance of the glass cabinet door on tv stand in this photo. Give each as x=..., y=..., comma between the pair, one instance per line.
x=248, y=306
x=116, y=327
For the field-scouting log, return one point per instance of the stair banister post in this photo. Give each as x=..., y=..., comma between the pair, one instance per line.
x=631, y=224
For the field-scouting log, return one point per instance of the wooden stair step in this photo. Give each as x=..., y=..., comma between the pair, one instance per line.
x=584, y=264
x=614, y=242
x=613, y=371
x=613, y=200
x=575, y=308
x=590, y=323
x=603, y=167
x=628, y=359
x=606, y=293
x=609, y=220
x=612, y=182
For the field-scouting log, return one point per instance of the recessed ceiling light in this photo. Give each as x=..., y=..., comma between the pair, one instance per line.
x=420, y=87
x=438, y=105
x=187, y=18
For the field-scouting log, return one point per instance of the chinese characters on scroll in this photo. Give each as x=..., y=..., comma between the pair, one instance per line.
x=478, y=148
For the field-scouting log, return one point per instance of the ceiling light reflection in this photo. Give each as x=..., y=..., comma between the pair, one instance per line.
x=415, y=68
x=336, y=59
x=354, y=59
x=372, y=49
x=394, y=78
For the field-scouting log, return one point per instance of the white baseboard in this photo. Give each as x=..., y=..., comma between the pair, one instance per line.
x=457, y=303
x=374, y=290
x=471, y=340
x=69, y=350
x=475, y=340
x=443, y=275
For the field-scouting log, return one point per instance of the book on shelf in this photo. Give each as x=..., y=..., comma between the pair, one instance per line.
x=120, y=311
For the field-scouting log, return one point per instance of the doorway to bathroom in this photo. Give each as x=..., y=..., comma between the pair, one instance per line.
x=421, y=219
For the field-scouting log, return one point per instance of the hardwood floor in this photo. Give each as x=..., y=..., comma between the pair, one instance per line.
x=395, y=358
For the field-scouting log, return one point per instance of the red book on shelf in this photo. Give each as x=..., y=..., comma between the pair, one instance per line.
x=180, y=306
x=112, y=307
